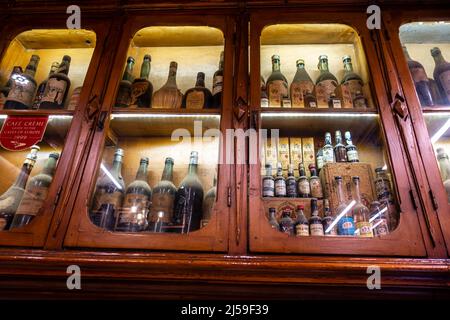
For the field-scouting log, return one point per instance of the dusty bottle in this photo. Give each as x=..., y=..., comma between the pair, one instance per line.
x=208, y=204
x=198, y=97
x=301, y=223
x=57, y=88
x=346, y=223
x=315, y=183
x=361, y=214
x=326, y=83
x=277, y=85
x=217, y=88
x=142, y=88
x=301, y=85
x=340, y=151
x=41, y=89
x=319, y=157
x=286, y=223
x=441, y=74
x=123, y=98
x=4, y=91
x=351, y=79
x=169, y=96
x=273, y=219
x=383, y=185
x=291, y=183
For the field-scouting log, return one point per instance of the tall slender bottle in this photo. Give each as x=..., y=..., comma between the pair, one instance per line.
x=301, y=85
x=189, y=199
x=444, y=166
x=304, y=188
x=23, y=87
x=421, y=81
x=169, y=96
x=57, y=88
x=351, y=78
x=301, y=223
x=218, y=84
x=315, y=221
x=361, y=214
x=328, y=219
x=441, y=74
x=10, y=200
x=133, y=217
x=280, y=182
x=345, y=224
x=4, y=91
x=291, y=183
x=315, y=183
x=109, y=195
x=327, y=150
x=198, y=97
x=352, y=152
x=163, y=198
x=123, y=98
x=208, y=204
x=340, y=152
x=142, y=88
x=319, y=157
x=326, y=83
x=268, y=183
x=277, y=85
x=35, y=193
x=41, y=89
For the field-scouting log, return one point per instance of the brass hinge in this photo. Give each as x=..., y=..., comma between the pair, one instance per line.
x=433, y=200
x=413, y=199
x=229, y=196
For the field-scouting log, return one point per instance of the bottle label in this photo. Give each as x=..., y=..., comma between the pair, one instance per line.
x=268, y=188
x=312, y=104
x=123, y=98
x=22, y=91
x=347, y=97
x=298, y=90
x=195, y=100
x=162, y=202
x=346, y=226
x=264, y=103
x=32, y=200
x=217, y=85
x=103, y=197
x=138, y=90
x=286, y=102
x=336, y=104
x=354, y=86
x=316, y=229
x=328, y=155
x=316, y=188
x=381, y=227
x=444, y=78
x=364, y=228
x=319, y=162
x=280, y=188
x=135, y=208
x=55, y=91
x=302, y=230
x=276, y=90
x=291, y=188
x=323, y=91
x=352, y=155
x=383, y=189
x=418, y=74
x=303, y=187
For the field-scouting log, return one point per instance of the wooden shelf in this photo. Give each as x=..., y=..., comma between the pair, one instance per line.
x=143, y=111
x=37, y=112
x=320, y=110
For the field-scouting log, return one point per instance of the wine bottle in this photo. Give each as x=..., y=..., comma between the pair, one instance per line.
x=277, y=85
x=108, y=195
x=361, y=214
x=133, y=217
x=441, y=74
x=142, y=88
x=198, y=97
x=169, y=96
x=35, y=194
x=189, y=199
x=57, y=88
x=23, y=87
x=218, y=84
x=326, y=83
x=304, y=189
x=327, y=150
x=10, y=200
x=123, y=98
x=301, y=223
x=208, y=204
x=351, y=78
x=41, y=89
x=301, y=85
x=280, y=182
x=291, y=183
x=163, y=198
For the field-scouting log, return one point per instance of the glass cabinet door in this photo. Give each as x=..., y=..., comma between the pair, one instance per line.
x=158, y=182
x=325, y=179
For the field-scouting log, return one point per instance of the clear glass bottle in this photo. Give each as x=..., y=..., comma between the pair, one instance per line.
x=277, y=85
x=169, y=96
x=351, y=79
x=383, y=185
x=218, y=84
x=35, y=194
x=41, y=89
x=444, y=166
x=360, y=213
x=142, y=88
x=291, y=183
x=441, y=74
x=301, y=223
x=328, y=219
x=351, y=150
x=57, y=88
x=301, y=84
x=198, y=97
x=346, y=223
x=286, y=223
x=268, y=183
x=208, y=203
x=379, y=219
x=273, y=219
x=280, y=182
x=10, y=200
x=327, y=150
x=326, y=83
x=340, y=151
x=123, y=98
x=315, y=183
x=304, y=188
x=315, y=221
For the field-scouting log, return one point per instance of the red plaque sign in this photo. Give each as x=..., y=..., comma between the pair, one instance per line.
x=21, y=132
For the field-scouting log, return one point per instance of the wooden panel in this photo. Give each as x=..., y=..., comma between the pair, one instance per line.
x=56, y=39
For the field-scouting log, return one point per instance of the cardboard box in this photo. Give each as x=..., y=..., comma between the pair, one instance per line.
x=270, y=154
x=295, y=149
x=283, y=152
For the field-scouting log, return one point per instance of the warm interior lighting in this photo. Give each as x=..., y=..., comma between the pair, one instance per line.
x=328, y=114
x=339, y=217
x=106, y=171
x=157, y=116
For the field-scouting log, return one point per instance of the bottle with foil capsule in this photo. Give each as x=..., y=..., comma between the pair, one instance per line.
x=315, y=183
x=35, y=194
x=280, y=182
x=57, y=88
x=328, y=219
x=273, y=219
x=41, y=89
x=315, y=221
x=217, y=88
x=123, y=98
x=277, y=85
x=352, y=152
x=10, y=200
x=169, y=96
x=291, y=183
x=286, y=223
x=351, y=79
x=142, y=88
x=327, y=150
x=361, y=214
x=198, y=97
x=300, y=86
x=304, y=188
x=441, y=74
x=301, y=223
x=326, y=83
x=268, y=183
x=346, y=223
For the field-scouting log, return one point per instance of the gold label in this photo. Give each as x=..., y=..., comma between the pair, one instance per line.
x=55, y=91
x=22, y=90
x=298, y=90
x=276, y=90
x=162, y=201
x=364, y=229
x=323, y=91
x=7, y=202
x=195, y=100
x=302, y=230
x=445, y=82
x=32, y=200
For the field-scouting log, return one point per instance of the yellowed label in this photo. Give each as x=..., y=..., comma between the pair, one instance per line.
x=162, y=202
x=195, y=100
x=22, y=90
x=298, y=90
x=276, y=90
x=54, y=91
x=283, y=152
x=295, y=146
x=135, y=208
x=32, y=200
x=323, y=91
x=345, y=95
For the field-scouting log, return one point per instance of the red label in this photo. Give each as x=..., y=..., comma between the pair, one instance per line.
x=20, y=133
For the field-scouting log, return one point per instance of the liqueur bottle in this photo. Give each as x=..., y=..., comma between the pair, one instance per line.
x=273, y=219
x=361, y=214
x=326, y=83
x=315, y=184
x=310, y=99
x=444, y=166
x=10, y=200
x=328, y=219
x=327, y=150
x=189, y=199
x=142, y=88
x=124, y=93
x=352, y=152
x=264, y=97
x=345, y=224
x=286, y=223
x=109, y=195
x=359, y=101
x=383, y=185
x=163, y=198
x=268, y=183
x=379, y=219
x=300, y=86
x=304, y=188
x=420, y=79
x=41, y=89
x=23, y=87
x=334, y=102
x=315, y=221
x=35, y=194
x=169, y=96
x=280, y=182
x=319, y=157
x=351, y=79
x=57, y=88
x=198, y=97
x=291, y=183
x=4, y=91
x=277, y=85
x=339, y=149
x=441, y=74
x=218, y=84
x=208, y=204
x=135, y=208
x=301, y=223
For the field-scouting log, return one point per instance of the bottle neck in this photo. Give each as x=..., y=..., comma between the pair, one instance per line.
x=327, y=140
x=192, y=170
x=50, y=166
x=172, y=78
x=269, y=172
x=142, y=172
x=276, y=66
x=323, y=66
x=340, y=192
x=117, y=167
x=200, y=82
x=313, y=172
x=358, y=195
x=53, y=69
x=22, y=178
x=348, y=67
x=168, y=172
x=439, y=59
x=314, y=210
x=64, y=67
x=279, y=172
x=145, y=69
x=31, y=68
x=301, y=171
x=128, y=71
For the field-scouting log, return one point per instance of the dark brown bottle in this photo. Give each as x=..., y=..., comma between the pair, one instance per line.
x=198, y=97
x=57, y=88
x=441, y=74
x=142, y=88
x=218, y=84
x=123, y=98
x=286, y=223
x=5, y=89
x=41, y=89
x=340, y=152
x=350, y=78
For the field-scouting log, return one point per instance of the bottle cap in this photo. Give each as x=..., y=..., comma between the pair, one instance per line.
x=169, y=160
x=300, y=207
x=345, y=58
x=435, y=51
x=130, y=59
x=201, y=75
x=275, y=57
x=54, y=155
x=338, y=178
x=148, y=57
x=144, y=160
x=119, y=152
x=173, y=64
x=311, y=166
x=67, y=58
x=272, y=210
x=355, y=178
x=300, y=62
x=323, y=57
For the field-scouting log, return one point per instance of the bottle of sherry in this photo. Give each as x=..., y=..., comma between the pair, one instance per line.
x=108, y=196
x=441, y=74
x=189, y=199
x=142, y=89
x=35, y=194
x=163, y=198
x=315, y=221
x=133, y=217
x=361, y=214
x=339, y=149
x=198, y=97
x=208, y=204
x=10, y=200
x=41, y=89
x=57, y=87
x=326, y=83
x=301, y=85
x=218, y=84
x=123, y=98
x=277, y=85
x=351, y=79
x=169, y=96
x=23, y=87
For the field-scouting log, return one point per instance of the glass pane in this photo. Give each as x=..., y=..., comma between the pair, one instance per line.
x=427, y=49
x=160, y=161
x=325, y=168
